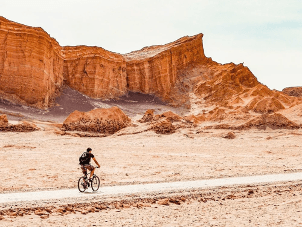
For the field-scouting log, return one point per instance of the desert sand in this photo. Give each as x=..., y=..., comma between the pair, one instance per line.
x=44, y=159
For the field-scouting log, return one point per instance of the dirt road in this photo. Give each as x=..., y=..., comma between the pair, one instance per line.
x=147, y=188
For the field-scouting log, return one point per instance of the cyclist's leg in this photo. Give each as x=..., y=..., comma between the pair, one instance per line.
x=84, y=169
x=91, y=168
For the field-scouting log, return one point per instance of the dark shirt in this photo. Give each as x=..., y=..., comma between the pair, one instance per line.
x=88, y=159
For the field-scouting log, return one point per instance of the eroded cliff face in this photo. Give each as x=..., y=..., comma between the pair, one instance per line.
x=31, y=64
x=159, y=69
x=34, y=67
x=95, y=72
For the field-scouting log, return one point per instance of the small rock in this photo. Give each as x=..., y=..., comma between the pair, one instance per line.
x=41, y=212
x=176, y=201
x=84, y=212
x=69, y=209
x=13, y=214
x=163, y=202
x=91, y=209
x=183, y=199
x=230, y=135
x=126, y=206
x=101, y=207
x=44, y=216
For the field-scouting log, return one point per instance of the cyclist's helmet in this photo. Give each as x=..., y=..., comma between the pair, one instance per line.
x=89, y=149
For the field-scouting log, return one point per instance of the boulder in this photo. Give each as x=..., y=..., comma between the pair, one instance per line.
x=148, y=116
x=3, y=120
x=102, y=120
x=230, y=135
x=163, y=127
x=169, y=115
x=274, y=121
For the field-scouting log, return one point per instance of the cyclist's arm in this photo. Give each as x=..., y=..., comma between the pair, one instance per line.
x=96, y=162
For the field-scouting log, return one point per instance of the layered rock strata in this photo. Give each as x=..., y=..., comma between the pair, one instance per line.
x=34, y=67
x=31, y=64
x=95, y=72
x=159, y=69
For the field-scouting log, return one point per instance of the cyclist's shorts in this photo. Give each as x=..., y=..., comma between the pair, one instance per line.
x=85, y=167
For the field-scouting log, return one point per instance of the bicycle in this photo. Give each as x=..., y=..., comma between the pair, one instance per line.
x=84, y=182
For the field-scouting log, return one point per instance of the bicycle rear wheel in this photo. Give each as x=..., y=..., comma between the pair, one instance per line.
x=95, y=184
x=82, y=186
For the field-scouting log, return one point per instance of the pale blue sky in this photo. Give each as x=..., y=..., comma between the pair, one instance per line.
x=264, y=34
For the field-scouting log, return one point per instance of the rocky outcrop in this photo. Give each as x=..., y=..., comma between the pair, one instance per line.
x=31, y=64
x=163, y=127
x=34, y=67
x=235, y=86
x=293, y=91
x=106, y=121
x=159, y=70
x=95, y=72
x=148, y=116
x=274, y=121
x=3, y=120
x=24, y=126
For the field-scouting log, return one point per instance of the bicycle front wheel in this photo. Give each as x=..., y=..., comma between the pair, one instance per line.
x=82, y=186
x=95, y=184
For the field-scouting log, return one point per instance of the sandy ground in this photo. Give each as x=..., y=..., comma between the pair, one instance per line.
x=44, y=160
x=258, y=206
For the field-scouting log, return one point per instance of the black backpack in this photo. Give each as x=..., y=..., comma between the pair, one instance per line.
x=84, y=158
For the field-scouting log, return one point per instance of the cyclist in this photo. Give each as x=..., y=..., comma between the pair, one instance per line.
x=85, y=162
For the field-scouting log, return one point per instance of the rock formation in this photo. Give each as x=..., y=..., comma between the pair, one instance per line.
x=95, y=72
x=34, y=67
x=163, y=127
x=159, y=70
x=31, y=64
x=3, y=120
x=106, y=121
x=148, y=116
x=293, y=91
x=22, y=127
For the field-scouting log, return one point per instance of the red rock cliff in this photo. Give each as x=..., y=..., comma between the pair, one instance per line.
x=95, y=72
x=158, y=69
x=33, y=68
x=31, y=64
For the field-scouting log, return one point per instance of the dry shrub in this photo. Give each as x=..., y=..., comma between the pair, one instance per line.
x=106, y=121
x=163, y=127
